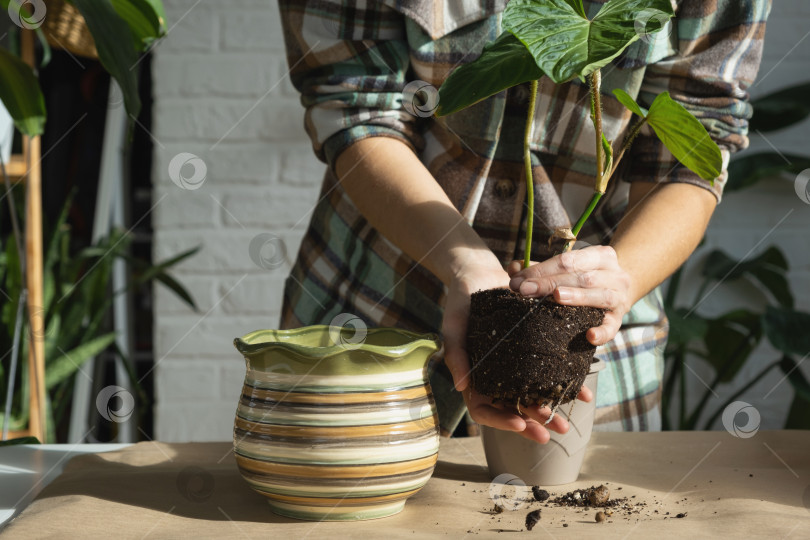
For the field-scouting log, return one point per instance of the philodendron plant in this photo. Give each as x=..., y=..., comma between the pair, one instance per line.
x=557, y=40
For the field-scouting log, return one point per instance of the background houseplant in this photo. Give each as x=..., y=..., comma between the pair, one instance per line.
x=76, y=315
x=121, y=30
x=726, y=342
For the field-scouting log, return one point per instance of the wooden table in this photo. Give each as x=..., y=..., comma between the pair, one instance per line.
x=727, y=487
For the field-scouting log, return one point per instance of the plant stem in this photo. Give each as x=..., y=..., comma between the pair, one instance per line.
x=601, y=180
x=627, y=143
x=754, y=380
x=596, y=106
x=527, y=163
x=721, y=374
x=586, y=214
x=666, y=393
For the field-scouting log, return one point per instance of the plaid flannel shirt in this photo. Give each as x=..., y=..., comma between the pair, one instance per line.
x=351, y=59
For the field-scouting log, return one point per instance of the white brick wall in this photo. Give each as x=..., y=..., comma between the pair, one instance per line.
x=222, y=93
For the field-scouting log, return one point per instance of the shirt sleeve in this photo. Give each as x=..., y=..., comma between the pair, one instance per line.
x=348, y=59
x=719, y=51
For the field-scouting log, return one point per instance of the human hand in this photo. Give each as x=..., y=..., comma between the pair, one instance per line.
x=530, y=423
x=586, y=277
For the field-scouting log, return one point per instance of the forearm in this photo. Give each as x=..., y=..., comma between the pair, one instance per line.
x=400, y=198
x=663, y=225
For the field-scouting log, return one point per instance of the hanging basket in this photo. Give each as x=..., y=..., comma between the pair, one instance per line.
x=64, y=28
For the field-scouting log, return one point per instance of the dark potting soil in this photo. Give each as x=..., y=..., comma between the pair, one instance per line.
x=539, y=494
x=598, y=497
x=532, y=518
x=524, y=351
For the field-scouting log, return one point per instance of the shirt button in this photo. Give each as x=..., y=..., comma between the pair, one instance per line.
x=504, y=188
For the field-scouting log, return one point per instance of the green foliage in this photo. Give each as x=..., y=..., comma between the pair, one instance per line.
x=787, y=330
x=781, y=109
x=121, y=30
x=726, y=342
x=730, y=339
x=563, y=43
x=685, y=137
x=775, y=111
x=145, y=18
x=20, y=440
x=566, y=44
x=114, y=42
x=747, y=170
x=630, y=103
x=768, y=270
x=799, y=412
x=20, y=93
x=77, y=305
x=681, y=133
x=685, y=327
x=503, y=64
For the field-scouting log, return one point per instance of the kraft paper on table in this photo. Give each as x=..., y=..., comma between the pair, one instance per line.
x=728, y=487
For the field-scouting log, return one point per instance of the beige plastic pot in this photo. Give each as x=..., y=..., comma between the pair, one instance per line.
x=555, y=463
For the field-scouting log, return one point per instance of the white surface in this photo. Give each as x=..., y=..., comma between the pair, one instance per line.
x=27, y=468
x=224, y=61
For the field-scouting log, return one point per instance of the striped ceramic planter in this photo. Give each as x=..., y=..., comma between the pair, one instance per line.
x=336, y=425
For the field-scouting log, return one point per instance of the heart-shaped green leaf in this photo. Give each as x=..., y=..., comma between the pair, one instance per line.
x=685, y=137
x=21, y=95
x=566, y=44
x=503, y=64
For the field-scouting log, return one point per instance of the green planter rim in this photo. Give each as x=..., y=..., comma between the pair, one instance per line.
x=305, y=341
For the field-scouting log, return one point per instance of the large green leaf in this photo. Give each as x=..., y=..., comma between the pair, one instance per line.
x=730, y=340
x=114, y=42
x=20, y=93
x=787, y=330
x=145, y=21
x=799, y=413
x=769, y=269
x=685, y=137
x=566, y=44
x=781, y=109
x=69, y=362
x=750, y=169
x=503, y=64
x=685, y=327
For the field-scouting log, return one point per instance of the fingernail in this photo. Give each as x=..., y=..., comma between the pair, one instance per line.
x=515, y=282
x=528, y=288
x=564, y=294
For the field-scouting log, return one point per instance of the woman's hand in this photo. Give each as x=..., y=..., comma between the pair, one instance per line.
x=586, y=277
x=529, y=424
